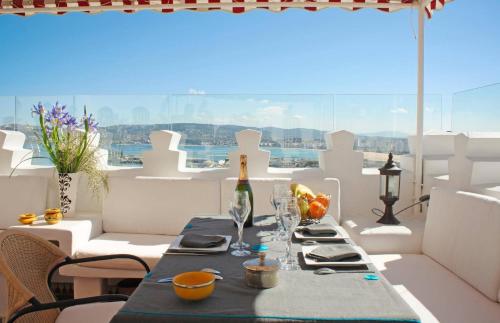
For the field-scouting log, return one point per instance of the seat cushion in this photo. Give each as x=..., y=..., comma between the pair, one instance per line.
x=462, y=233
x=434, y=292
x=376, y=238
x=95, y=313
x=149, y=247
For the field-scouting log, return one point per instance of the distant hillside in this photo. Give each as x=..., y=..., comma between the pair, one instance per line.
x=198, y=133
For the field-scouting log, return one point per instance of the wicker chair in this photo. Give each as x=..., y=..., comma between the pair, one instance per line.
x=27, y=263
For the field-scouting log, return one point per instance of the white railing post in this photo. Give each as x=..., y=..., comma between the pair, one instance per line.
x=420, y=106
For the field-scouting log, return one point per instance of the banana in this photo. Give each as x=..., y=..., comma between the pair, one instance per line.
x=300, y=190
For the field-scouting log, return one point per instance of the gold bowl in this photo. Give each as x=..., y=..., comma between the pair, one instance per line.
x=27, y=218
x=194, y=285
x=53, y=216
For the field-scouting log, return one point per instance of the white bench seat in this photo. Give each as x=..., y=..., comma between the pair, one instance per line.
x=376, y=238
x=149, y=247
x=434, y=292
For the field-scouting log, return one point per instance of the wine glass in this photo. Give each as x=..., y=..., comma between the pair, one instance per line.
x=279, y=191
x=290, y=218
x=239, y=210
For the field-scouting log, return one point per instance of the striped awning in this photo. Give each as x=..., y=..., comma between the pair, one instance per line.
x=30, y=7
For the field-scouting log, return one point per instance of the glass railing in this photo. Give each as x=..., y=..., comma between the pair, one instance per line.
x=293, y=126
x=476, y=110
x=382, y=122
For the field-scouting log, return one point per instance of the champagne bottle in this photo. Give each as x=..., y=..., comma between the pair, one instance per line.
x=244, y=186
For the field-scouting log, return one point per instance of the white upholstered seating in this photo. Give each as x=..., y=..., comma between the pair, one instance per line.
x=149, y=247
x=376, y=238
x=434, y=292
x=150, y=205
x=462, y=233
x=457, y=278
x=95, y=313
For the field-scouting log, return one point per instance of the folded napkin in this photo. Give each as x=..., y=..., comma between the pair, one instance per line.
x=320, y=229
x=193, y=240
x=334, y=253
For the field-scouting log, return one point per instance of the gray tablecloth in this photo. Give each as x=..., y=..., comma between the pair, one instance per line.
x=300, y=295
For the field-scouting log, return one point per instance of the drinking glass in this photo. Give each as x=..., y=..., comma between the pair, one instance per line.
x=240, y=209
x=279, y=191
x=290, y=218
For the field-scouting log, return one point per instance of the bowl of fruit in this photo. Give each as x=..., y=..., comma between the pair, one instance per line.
x=313, y=207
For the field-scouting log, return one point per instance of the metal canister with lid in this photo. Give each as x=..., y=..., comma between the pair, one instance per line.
x=261, y=272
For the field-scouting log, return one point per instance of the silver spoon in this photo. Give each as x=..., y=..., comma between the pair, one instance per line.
x=211, y=270
x=324, y=271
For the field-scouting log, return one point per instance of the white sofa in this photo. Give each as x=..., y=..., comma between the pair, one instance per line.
x=457, y=277
x=140, y=216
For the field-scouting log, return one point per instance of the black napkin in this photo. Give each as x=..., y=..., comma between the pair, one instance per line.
x=320, y=229
x=334, y=253
x=193, y=240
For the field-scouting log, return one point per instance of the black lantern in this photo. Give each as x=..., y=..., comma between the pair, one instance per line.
x=390, y=179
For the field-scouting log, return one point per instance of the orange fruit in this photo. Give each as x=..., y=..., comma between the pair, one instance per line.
x=316, y=210
x=323, y=199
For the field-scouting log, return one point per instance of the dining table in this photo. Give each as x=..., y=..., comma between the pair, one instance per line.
x=300, y=296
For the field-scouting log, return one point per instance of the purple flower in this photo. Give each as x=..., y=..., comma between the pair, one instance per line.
x=56, y=115
x=70, y=122
x=91, y=122
x=38, y=109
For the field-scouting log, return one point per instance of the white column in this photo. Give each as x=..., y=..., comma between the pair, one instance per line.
x=420, y=105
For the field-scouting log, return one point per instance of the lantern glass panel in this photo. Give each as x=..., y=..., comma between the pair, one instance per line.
x=393, y=186
x=383, y=185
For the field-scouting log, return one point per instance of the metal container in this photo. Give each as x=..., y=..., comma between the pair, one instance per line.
x=261, y=272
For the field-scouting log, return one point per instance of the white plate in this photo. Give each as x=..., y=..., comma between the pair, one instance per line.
x=341, y=235
x=312, y=262
x=175, y=246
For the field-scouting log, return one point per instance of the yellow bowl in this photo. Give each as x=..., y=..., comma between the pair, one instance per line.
x=27, y=218
x=194, y=285
x=53, y=218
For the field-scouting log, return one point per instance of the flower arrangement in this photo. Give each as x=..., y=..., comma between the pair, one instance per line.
x=69, y=143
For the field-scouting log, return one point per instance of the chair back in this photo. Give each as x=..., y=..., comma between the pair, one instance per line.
x=25, y=262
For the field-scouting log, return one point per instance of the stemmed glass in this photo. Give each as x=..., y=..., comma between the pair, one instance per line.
x=280, y=191
x=290, y=218
x=239, y=210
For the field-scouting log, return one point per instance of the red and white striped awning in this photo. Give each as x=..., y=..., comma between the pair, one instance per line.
x=30, y=7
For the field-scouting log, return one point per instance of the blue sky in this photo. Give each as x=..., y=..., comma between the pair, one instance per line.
x=331, y=51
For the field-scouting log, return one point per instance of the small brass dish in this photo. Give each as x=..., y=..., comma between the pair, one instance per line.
x=53, y=218
x=27, y=218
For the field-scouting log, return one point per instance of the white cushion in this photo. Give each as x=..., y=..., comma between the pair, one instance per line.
x=463, y=234
x=95, y=313
x=157, y=205
x=376, y=238
x=21, y=194
x=263, y=187
x=435, y=293
x=148, y=247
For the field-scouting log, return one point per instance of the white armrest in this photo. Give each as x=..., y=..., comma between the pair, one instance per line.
x=70, y=233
